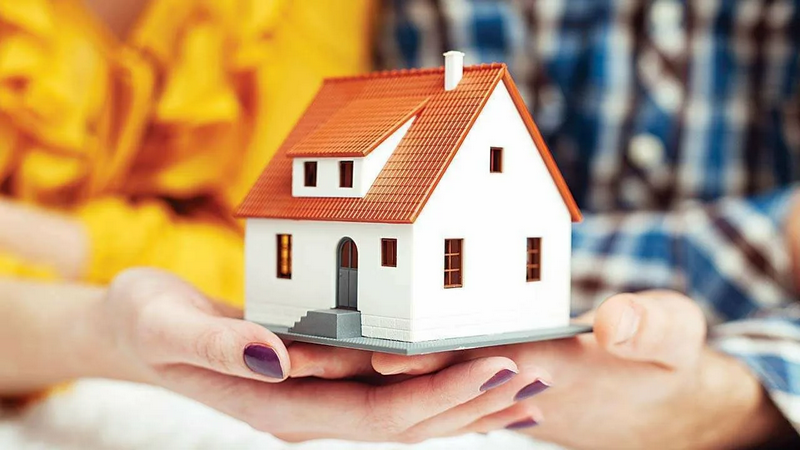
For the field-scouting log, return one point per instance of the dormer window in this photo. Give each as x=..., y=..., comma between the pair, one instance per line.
x=496, y=160
x=322, y=171
x=310, y=173
x=346, y=174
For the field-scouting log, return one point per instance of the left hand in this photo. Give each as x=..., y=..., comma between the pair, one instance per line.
x=643, y=379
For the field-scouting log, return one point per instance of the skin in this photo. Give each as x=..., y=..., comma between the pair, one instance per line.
x=664, y=384
x=150, y=327
x=644, y=378
x=793, y=239
x=657, y=384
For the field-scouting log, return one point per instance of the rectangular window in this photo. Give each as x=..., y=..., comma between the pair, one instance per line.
x=453, y=262
x=496, y=159
x=534, y=263
x=346, y=174
x=285, y=256
x=310, y=168
x=389, y=252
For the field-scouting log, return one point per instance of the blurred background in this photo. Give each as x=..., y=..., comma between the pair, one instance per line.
x=131, y=129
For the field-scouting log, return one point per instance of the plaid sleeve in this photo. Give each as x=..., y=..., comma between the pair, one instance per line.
x=730, y=256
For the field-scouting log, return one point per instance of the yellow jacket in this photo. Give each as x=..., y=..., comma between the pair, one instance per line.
x=152, y=142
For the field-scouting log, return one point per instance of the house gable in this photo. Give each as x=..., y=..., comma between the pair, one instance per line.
x=493, y=214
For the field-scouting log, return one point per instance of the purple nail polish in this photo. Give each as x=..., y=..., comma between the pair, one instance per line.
x=263, y=360
x=527, y=423
x=500, y=378
x=531, y=390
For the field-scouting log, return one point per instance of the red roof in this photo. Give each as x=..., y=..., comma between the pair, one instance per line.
x=351, y=116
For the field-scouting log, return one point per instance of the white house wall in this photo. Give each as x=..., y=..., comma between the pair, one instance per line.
x=382, y=291
x=494, y=213
x=365, y=170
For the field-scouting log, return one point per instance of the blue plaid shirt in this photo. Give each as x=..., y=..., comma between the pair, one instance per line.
x=677, y=126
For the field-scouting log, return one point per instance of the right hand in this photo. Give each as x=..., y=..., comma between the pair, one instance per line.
x=157, y=329
x=793, y=236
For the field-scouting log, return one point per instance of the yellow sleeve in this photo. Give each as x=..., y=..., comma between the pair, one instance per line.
x=311, y=40
x=288, y=48
x=204, y=251
x=219, y=85
x=11, y=266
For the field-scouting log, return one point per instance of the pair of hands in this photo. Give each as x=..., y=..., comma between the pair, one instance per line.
x=643, y=378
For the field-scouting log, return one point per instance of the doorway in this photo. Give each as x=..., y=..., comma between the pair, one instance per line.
x=347, y=283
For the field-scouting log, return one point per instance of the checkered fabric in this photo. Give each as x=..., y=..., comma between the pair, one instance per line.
x=677, y=127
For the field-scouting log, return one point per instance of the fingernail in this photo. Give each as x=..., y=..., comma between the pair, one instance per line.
x=527, y=423
x=627, y=326
x=500, y=378
x=263, y=360
x=531, y=390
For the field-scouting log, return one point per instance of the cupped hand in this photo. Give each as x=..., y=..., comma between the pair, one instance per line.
x=643, y=379
x=158, y=329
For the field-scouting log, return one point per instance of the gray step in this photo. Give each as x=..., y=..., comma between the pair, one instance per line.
x=331, y=323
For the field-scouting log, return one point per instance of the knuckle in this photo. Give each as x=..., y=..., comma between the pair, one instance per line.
x=209, y=348
x=444, y=392
x=383, y=414
x=146, y=329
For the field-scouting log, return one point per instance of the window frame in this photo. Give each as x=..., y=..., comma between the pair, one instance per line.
x=310, y=170
x=496, y=166
x=533, y=259
x=449, y=269
x=388, y=252
x=280, y=255
x=346, y=174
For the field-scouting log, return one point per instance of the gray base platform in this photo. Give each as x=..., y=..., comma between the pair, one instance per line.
x=441, y=345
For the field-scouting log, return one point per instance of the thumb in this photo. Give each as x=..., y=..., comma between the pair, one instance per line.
x=661, y=327
x=168, y=322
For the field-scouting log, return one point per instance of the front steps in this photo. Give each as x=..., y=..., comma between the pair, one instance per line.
x=330, y=323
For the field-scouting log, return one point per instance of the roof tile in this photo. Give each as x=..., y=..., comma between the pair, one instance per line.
x=350, y=116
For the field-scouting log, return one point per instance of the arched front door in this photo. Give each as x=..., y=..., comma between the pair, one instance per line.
x=347, y=285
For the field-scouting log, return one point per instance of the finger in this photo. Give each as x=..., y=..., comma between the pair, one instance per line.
x=228, y=311
x=310, y=360
x=389, y=364
x=229, y=346
x=661, y=327
x=398, y=407
x=499, y=398
x=520, y=416
x=586, y=318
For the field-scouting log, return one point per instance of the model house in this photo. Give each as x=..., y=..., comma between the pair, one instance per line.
x=411, y=205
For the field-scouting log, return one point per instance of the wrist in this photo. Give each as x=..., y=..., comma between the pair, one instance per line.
x=740, y=413
x=91, y=337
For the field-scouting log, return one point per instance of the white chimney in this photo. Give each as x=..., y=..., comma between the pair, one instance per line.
x=453, y=69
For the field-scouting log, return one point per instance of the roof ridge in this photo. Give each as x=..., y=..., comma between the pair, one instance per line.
x=411, y=72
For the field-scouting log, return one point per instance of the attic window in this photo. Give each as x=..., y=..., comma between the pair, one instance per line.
x=496, y=159
x=346, y=174
x=310, y=173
